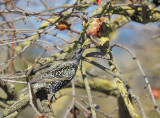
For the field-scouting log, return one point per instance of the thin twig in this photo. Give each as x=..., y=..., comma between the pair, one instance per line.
x=122, y=79
x=142, y=72
x=12, y=35
x=88, y=91
x=14, y=81
x=73, y=100
x=33, y=101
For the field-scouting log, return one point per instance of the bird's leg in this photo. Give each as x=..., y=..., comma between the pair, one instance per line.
x=32, y=99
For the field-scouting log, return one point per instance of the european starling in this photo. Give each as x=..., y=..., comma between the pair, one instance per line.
x=58, y=76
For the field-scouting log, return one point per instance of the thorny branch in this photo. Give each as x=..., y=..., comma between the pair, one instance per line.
x=67, y=12
x=142, y=72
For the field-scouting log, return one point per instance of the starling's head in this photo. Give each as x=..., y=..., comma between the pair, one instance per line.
x=78, y=53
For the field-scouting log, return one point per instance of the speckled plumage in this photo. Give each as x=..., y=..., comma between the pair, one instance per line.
x=58, y=76
x=55, y=77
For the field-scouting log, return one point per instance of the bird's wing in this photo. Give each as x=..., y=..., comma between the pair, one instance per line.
x=44, y=74
x=54, y=73
x=53, y=80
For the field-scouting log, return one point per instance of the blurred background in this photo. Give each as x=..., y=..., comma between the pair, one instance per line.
x=142, y=39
